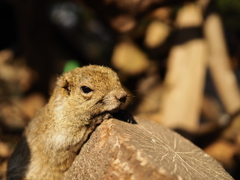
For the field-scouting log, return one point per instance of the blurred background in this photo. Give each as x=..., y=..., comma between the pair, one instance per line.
x=178, y=60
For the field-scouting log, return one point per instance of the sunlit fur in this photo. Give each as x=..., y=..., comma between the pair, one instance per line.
x=53, y=138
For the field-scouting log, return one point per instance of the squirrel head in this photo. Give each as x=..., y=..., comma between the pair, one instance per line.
x=90, y=90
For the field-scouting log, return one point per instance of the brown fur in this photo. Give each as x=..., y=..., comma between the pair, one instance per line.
x=54, y=137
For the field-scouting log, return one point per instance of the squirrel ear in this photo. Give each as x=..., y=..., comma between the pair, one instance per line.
x=64, y=84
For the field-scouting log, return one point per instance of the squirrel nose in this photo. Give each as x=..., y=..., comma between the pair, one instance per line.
x=122, y=97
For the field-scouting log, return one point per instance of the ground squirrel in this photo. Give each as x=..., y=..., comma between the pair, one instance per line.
x=81, y=99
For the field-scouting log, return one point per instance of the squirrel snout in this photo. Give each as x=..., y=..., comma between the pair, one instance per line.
x=121, y=96
x=115, y=100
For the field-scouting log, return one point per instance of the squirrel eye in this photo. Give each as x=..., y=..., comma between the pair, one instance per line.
x=86, y=89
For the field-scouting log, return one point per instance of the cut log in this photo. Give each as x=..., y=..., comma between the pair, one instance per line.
x=184, y=82
x=142, y=150
x=223, y=76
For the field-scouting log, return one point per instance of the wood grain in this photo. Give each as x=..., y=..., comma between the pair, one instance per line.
x=140, y=151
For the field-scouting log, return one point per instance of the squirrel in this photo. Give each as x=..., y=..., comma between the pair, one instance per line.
x=81, y=100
